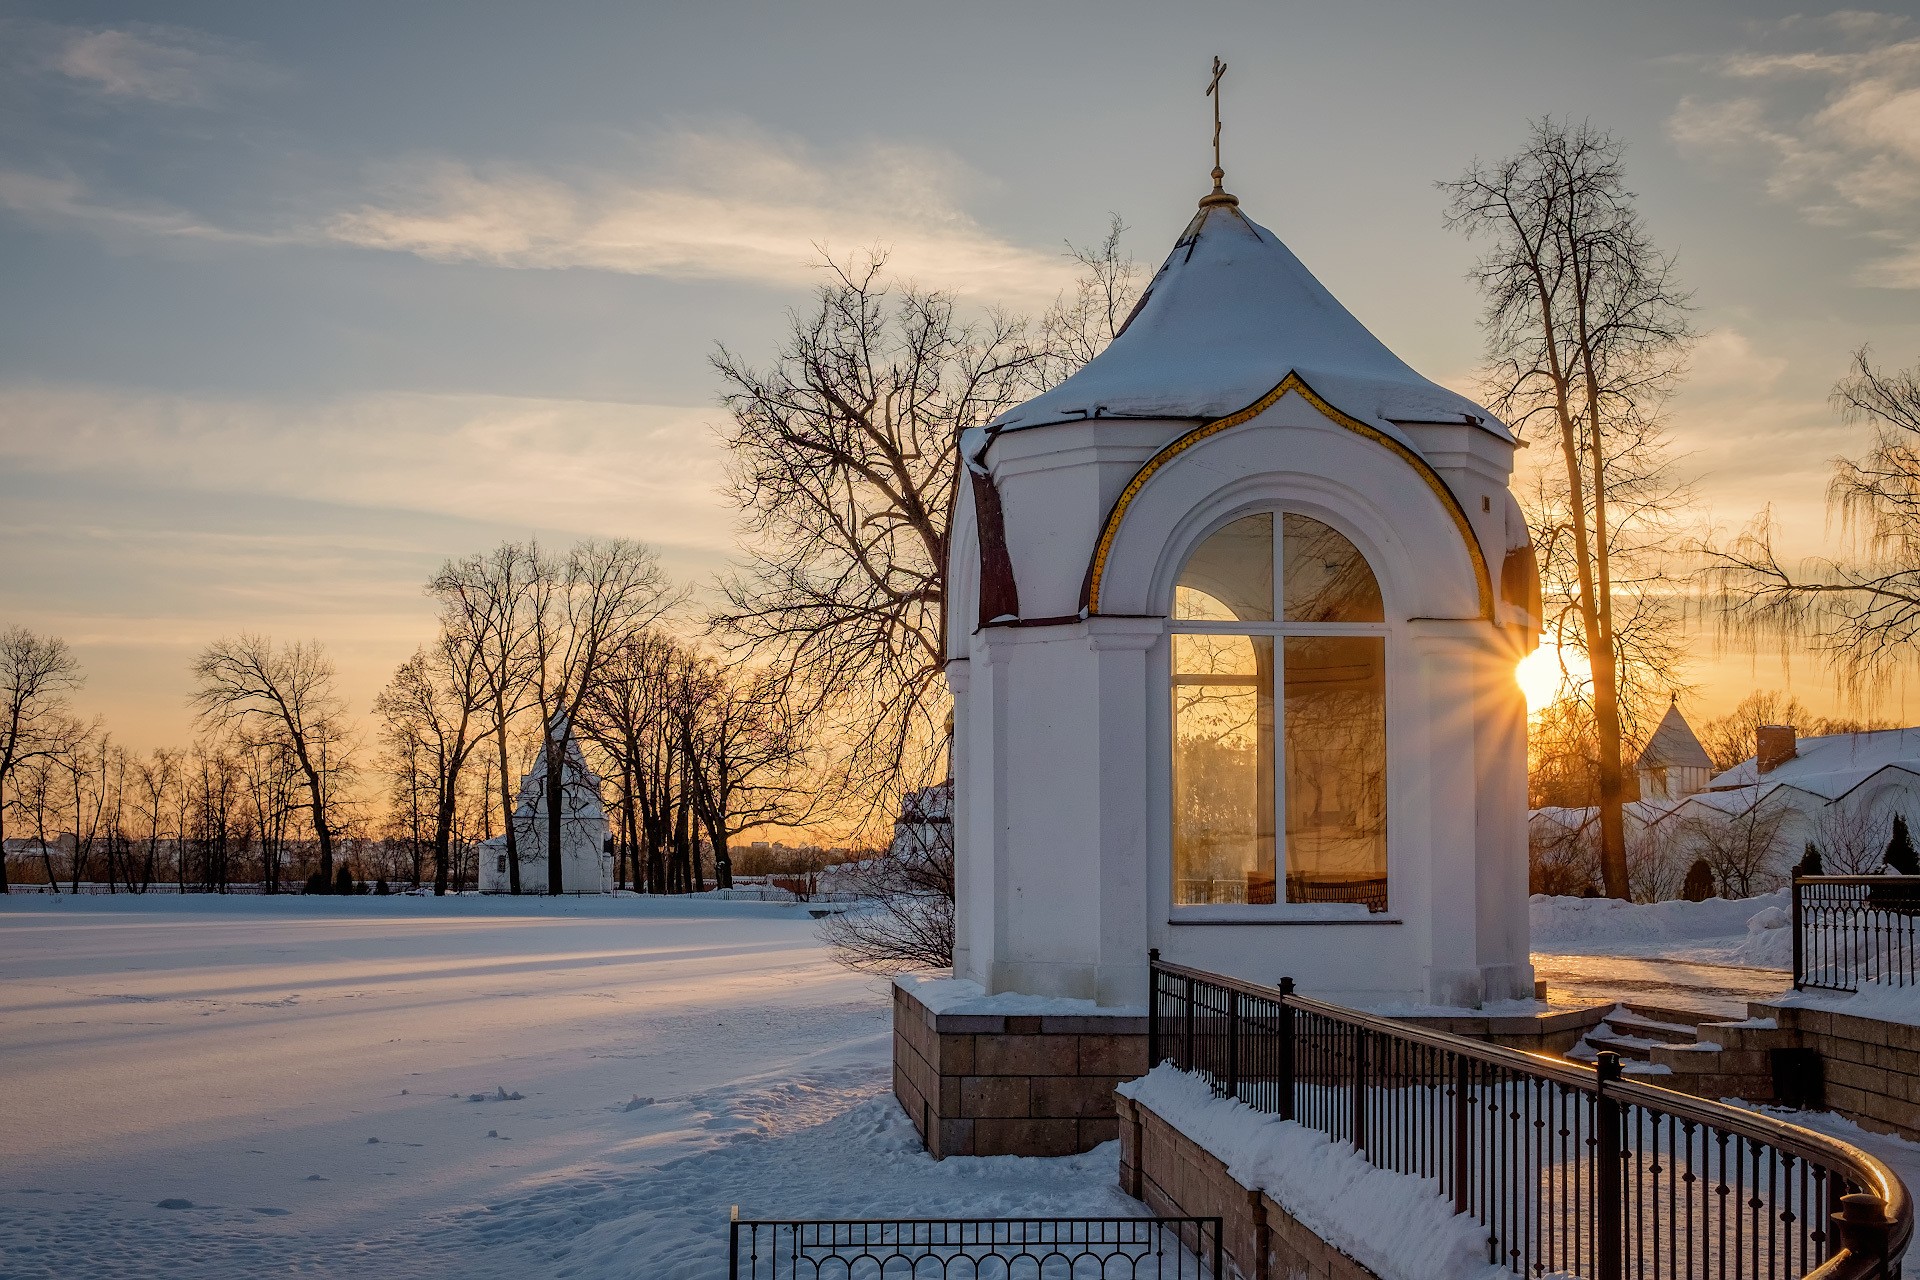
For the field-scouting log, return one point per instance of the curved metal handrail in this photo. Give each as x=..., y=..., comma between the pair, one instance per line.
x=1860, y=1167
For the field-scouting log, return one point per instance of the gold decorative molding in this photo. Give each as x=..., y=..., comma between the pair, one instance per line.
x=1096, y=571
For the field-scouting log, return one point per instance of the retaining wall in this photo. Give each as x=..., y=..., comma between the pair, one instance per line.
x=1177, y=1177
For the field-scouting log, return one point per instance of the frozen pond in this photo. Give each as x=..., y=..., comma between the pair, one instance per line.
x=228, y=1087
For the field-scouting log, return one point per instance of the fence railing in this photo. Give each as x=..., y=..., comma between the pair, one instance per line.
x=976, y=1249
x=1853, y=929
x=1567, y=1170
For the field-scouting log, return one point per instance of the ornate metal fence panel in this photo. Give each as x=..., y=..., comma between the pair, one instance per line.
x=1567, y=1170
x=977, y=1249
x=1853, y=929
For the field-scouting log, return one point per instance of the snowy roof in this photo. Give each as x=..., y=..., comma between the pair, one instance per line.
x=1227, y=317
x=1833, y=765
x=1673, y=745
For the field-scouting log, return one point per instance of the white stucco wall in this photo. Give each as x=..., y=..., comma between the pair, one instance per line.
x=1062, y=729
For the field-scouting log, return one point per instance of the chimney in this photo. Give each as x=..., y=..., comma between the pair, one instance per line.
x=1773, y=746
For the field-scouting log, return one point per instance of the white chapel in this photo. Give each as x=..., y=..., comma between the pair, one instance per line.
x=1235, y=615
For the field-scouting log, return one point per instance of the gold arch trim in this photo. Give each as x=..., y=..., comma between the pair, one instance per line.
x=1483, y=581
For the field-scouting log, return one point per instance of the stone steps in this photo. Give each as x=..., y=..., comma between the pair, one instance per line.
x=1637, y=1031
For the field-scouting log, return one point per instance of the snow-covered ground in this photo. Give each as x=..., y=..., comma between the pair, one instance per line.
x=1753, y=933
x=1713, y=956
x=473, y=1087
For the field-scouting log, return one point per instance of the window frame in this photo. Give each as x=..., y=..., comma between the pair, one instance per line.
x=1279, y=911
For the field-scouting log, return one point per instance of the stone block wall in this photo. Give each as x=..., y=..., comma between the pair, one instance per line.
x=1871, y=1067
x=1177, y=1177
x=1005, y=1084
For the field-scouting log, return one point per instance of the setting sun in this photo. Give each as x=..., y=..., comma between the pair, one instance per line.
x=1540, y=675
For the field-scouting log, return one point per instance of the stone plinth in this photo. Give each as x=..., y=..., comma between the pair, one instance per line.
x=979, y=1082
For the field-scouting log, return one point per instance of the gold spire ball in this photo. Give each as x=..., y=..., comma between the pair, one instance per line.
x=1219, y=193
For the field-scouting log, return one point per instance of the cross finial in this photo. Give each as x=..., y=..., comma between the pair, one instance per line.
x=1219, y=194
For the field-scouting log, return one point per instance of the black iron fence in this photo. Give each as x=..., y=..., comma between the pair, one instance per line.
x=1853, y=929
x=1567, y=1170
x=977, y=1249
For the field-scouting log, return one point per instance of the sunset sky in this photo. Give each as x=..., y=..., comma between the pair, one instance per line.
x=299, y=301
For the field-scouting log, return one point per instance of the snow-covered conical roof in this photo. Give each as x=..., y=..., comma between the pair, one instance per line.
x=1674, y=744
x=1228, y=316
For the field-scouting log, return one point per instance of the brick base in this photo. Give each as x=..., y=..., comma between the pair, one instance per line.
x=1176, y=1177
x=1006, y=1085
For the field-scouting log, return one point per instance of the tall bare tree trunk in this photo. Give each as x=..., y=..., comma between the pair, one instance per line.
x=506, y=794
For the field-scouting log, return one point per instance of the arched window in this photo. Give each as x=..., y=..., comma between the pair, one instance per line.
x=1279, y=799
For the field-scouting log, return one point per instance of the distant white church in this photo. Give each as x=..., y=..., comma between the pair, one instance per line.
x=586, y=865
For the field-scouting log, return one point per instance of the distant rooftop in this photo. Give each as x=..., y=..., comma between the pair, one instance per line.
x=1673, y=745
x=1833, y=765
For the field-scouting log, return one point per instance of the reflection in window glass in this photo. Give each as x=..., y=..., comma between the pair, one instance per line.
x=1336, y=769
x=1326, y=579
x=1229, y=577
x=1223, y=769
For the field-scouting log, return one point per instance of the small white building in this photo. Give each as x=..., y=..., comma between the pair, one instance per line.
x=1235, y=615
x=1673, y=765
x=586, y=864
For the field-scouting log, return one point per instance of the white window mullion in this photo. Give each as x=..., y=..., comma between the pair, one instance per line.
x=1279, y=711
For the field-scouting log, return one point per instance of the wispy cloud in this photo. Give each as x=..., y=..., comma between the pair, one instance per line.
x=645, y=471
x=63, y=200
x=1833, y=117
x=147, y=63
x=715, y=205
x=733, y=205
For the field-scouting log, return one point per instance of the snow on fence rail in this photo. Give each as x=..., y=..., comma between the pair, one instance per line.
x=1568, y=1171
x=976, y=1249
x=1853, y=929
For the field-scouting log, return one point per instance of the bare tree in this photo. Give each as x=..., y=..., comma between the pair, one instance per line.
x=1861, y=611
x=1560, y=857
x=36, y=674
x=156, y=778
x=86, y=762
x=905, y=917
x=632, y=717
x=844, y=462
x=270, y=775
x=1082, y=322
x=430, y=712
x=583, y=609
x=1745, y=846
x=746, y=759
x=37, y=795
x=1657, y=861
x=1731, y=738
x=1586, y=333
x=289, y=689
x=491, y=600
x=1852, y=839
